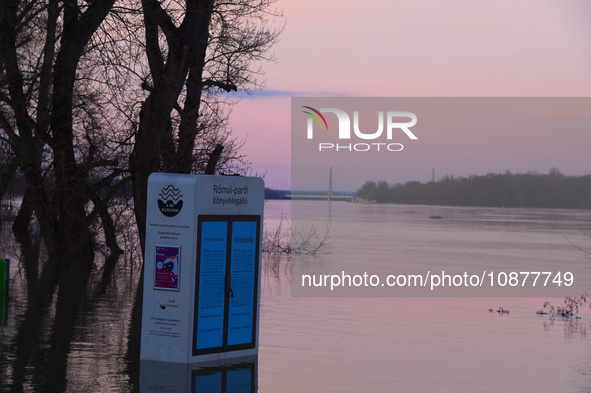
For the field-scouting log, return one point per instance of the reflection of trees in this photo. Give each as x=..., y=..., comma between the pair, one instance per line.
x=63, y=307
x=573, y=327
x=276, y=274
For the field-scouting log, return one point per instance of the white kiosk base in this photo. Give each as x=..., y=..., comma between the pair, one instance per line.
x=202, y=267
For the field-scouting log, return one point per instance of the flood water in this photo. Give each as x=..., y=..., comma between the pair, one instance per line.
x=352, y=344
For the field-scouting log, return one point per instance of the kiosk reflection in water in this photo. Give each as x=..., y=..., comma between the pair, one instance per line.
x=237, y=376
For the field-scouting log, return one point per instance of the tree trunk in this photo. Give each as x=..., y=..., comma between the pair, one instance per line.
x=75, y=243
x=20, y=228
x=187, y=45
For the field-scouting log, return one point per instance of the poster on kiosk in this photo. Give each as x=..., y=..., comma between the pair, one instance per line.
x=202, y=267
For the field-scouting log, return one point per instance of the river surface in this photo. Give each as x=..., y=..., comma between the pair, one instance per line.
x=384, y=343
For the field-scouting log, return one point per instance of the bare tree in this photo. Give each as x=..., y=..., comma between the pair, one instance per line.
x=51, y=117
x=74, y=111
x=195, y=49
x=45, y=114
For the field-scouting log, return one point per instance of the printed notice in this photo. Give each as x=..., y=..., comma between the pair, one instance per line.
x=167, y=268
x=165, y=327
x=212, y=273
x=242, y=271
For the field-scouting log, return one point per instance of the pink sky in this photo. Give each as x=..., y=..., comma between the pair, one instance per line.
x=422, y=48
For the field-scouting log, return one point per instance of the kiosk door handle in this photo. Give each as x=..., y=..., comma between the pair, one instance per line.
x=229, y=290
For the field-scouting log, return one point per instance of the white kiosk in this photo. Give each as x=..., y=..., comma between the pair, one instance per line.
x=202, y=268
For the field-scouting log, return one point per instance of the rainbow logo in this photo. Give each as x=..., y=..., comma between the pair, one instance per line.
x=316, y=117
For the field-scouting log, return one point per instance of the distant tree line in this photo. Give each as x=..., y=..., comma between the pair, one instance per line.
x=552, y=190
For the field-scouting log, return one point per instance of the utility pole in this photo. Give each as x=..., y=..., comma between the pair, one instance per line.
x=330, y=184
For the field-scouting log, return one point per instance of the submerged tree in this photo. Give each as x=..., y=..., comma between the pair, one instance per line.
x=87, y=89
x=195, y=49
x=49, y=123
x=51, y=119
